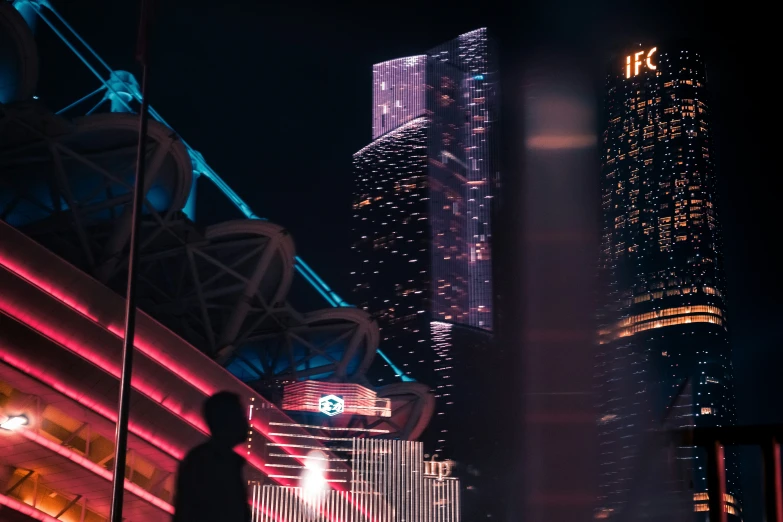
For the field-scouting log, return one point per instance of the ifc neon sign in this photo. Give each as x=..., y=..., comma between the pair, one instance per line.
x=331, y=405
x=637, y=62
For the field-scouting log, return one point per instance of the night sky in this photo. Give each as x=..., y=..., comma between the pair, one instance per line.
x=277, y=97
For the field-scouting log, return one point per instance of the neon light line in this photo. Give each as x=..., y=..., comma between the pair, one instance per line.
x=30, y=511
x=310, y=280
x=336, y=298
x=398, y=373
x=77, y=102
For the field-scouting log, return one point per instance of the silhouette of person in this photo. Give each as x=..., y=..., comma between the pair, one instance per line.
x=210, y=486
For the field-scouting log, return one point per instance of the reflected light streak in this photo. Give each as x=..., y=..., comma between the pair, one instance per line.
x=562, y=141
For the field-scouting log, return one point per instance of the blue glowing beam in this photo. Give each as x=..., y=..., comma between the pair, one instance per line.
x=303, y=267
x=200, y=167
x=312, y=282
x=397, y=371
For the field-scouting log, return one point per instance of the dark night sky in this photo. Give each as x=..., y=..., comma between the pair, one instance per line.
x=277, y=97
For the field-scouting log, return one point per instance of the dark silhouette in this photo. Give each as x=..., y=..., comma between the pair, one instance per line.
x=210, y=487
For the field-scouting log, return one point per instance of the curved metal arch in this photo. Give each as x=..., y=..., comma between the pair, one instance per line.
x=365, y=338
x=71, y=184
x=282, y=242
x=412, y=407
x=214, y=287
x=338, y=349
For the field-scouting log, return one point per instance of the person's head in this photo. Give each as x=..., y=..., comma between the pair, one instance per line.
x=226, y=418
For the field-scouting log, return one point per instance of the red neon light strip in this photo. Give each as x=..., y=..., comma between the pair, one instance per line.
x=94, y=468
x=96, y=357
x=146, y=348
x=111, y=415
x=47, y=287
x=163, y=360
x=113, y=369
x=24, y=509
x=82, y=399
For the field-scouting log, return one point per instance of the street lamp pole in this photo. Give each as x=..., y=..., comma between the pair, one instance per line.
x=121, y=433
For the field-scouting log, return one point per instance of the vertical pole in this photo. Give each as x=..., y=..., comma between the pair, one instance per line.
x=773, y=488
x=716, y=481
x=121, y=433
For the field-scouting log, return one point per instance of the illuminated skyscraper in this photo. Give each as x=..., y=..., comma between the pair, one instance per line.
x=422, y=211
x=664, y=319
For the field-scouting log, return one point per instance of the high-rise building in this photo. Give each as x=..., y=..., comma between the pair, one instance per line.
x=663, y=322
x=390, y=481
x=422, y=211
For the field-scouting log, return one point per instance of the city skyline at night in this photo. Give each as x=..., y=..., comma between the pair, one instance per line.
x=664, y=319
x=407, y=302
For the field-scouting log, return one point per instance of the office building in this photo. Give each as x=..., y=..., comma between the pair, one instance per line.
x=423, y=199
x=390, y=481
x=664, y=322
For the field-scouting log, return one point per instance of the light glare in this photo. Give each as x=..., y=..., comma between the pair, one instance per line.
x=15, y=422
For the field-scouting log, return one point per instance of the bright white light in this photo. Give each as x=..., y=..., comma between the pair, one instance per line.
x=14, y=423
x=313, y=480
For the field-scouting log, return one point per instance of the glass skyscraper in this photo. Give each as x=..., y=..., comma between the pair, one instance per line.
x=663, y=335
x=422, y=213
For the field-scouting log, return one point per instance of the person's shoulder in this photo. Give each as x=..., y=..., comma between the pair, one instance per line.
x=198, y=452
x=209, y=451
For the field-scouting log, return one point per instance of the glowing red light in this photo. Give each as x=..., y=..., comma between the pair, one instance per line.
x=21, y=507
x=68, y=340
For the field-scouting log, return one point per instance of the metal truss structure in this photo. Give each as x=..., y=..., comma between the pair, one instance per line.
x=67, y=183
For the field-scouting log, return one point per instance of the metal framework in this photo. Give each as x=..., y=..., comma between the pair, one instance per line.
x=68, y=184
x=120, y=90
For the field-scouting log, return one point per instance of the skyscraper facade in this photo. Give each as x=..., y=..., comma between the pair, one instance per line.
x=422, y=211
x=663, y=322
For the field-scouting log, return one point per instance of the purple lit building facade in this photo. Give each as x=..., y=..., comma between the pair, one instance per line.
x=422, y=205
x=398, y=88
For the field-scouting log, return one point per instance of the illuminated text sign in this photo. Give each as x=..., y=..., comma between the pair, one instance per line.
x=634, y=62
x=438, y=469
